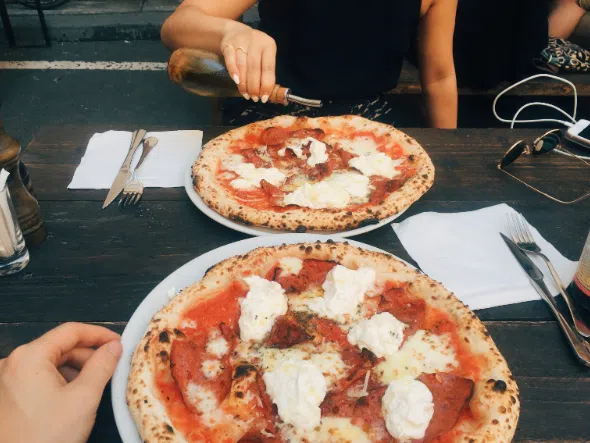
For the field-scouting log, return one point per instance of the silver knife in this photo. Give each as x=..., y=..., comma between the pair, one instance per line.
x=124, y=173
x=580, y=346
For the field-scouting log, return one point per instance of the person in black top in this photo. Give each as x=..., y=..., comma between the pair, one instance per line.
x=347, y=53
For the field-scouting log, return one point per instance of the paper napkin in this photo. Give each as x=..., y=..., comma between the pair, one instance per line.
x=164, y=167
x=464, y=251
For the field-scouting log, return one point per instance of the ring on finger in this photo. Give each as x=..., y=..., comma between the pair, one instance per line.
x=240, y=48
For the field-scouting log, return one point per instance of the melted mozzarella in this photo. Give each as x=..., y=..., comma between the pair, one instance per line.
x=188, y=324
x=297, y=388
x=407, y=408
x=291, y=265
x=229, y=162
x=317, y=151
x=376, y=164
x=344, y=290
x=211, y=368
x=217, y=345
x=265, y=301
x=422, y=353
x=337, y=191
x=328, y=361
x=359, y=145
x=331, y=430
x=250, y=176
x=382, y=334
x=205, y=402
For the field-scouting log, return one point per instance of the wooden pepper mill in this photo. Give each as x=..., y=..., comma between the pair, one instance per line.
x=26, y=206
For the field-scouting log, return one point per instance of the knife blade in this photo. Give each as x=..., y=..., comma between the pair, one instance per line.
x=124, y=173
x=580, y=346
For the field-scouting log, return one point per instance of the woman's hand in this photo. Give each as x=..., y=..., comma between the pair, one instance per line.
x=50, y=388
x=250, y=58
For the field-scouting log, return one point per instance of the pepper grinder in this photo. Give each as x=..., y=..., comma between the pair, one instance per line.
x=27, y=208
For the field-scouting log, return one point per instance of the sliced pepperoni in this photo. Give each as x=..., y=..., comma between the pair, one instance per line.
x=345, y=156
x=367, y=414
x=274, y=136
x=338, y=405
x=450, y=394
x=403, y=306
x=359, y=363
x=316, y=133
x=186, y=359
x=250, y=156
x=330, y=331
x=275, y=194
x=312, y=273
x=286, y=332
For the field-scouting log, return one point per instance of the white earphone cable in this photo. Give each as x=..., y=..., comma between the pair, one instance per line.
x=515, y=120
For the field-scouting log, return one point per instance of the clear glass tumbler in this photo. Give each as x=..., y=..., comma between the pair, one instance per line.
x=14, y=255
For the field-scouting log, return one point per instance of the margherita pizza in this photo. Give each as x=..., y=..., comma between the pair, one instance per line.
x=298, y=174
x=319, y=342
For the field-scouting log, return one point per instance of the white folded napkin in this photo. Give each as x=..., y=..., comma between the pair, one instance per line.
x=464, y=251
x=164, y=167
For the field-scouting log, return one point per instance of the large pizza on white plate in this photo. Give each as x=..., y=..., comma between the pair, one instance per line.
x=319, y=342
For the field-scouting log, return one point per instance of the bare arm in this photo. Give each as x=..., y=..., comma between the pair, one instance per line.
x=249, y=55
x=203, y=23
x=437, y=66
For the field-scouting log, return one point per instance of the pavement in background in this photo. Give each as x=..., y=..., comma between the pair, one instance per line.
x=32, y=98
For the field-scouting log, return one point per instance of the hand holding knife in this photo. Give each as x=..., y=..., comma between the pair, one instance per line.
x=579, y=345
x=124, y=173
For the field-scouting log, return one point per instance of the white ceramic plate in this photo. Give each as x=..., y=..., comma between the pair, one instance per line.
x=179, y=279
x=199, y=203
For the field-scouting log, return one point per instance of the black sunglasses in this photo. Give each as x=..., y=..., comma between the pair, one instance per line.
x=545, y=143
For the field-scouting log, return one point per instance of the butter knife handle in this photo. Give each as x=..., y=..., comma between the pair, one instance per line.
x=136, y=139
x=580, y=346
x=579, y=324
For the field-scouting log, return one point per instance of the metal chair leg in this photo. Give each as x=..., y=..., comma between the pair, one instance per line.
x=7, y=25
x=43, y=23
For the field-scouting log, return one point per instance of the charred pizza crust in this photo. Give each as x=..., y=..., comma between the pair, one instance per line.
x=302, y=219
x=495, y=402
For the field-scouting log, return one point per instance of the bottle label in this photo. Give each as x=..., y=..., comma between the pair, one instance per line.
x=582, y=277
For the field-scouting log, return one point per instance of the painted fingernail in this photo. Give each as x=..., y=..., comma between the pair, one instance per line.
x=115, y=348
x=255, y=99
x=246, y=95
x=264, y=98
x=236, y=79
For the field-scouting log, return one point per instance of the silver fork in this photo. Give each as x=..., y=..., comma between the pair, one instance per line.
x=133, y=191
x=521, y=235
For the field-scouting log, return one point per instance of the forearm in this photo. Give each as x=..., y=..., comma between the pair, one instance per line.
x=441, y=102
x=190, y=27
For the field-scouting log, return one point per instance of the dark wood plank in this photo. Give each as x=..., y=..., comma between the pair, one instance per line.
x=555, y=389
x=117, y=256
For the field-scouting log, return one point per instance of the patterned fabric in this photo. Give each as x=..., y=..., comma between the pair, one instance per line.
x=562, y=55
x=239, y=112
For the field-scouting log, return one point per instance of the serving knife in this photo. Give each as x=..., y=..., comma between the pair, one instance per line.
x=580, y=346
x=124, y=173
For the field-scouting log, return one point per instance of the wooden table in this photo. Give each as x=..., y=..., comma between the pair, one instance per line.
x=97, y=265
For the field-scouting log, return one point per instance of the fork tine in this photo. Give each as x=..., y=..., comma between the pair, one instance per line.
x=512, y=228
x=137, y=198
x=527, y=231
x=130, y=199
x=518, y=226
